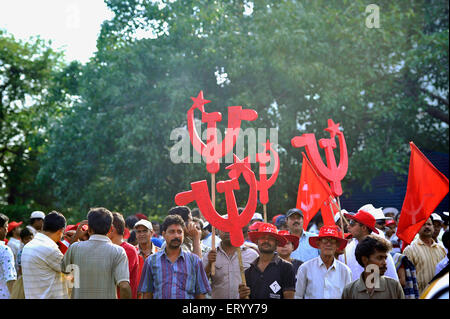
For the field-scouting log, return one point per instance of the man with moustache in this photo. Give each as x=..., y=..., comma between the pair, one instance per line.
x=304, y=252
x=226, y=280
x=371, y=253
x=173, y=273
x=269, y=276
x=425, y=254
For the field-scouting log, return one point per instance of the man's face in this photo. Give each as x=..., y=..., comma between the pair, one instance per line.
x=286, y=250
x=267, y=244
x=437, y=228
x=3, y=231
x=143, y=234
x=427, y=229
x=355, y=228
x=156, y=229
x=174, y=236
x=38, y=224
x=295, y=223
x=224, y=237
x=390, y=230
x=378, y=259
x=328, y=246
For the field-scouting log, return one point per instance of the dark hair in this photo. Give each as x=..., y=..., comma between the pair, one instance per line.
x=119, y=223
x=132, y=239
x=369, y=245
x=24, y=233
x=130, y=221
x=182, y=211
x=3, y=220
x=32, y=220
x=54, y=221
x=195, y=212
x=171, y=220
x=100, y=220
x=198, y=220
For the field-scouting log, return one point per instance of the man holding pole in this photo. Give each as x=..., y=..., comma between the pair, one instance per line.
x=226, y=280
x=269, y=276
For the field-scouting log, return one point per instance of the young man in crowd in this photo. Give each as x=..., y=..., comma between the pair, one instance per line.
x=286, y=251
x=41, y=261
x=36, y=221
x=14, y=237
x=425, y=254
x=8, y=274
x=116, y=235
x=226, y=280
x=304, y=252
x=269, y=276
x=102, y=266
x=173, y=272
x=371, y=253
x=324, y=277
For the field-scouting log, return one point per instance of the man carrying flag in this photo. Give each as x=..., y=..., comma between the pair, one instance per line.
x=425, y=190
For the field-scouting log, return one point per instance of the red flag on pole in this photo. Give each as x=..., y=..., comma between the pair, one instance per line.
x=312, y=192
x=425, y=190
x=328, y=212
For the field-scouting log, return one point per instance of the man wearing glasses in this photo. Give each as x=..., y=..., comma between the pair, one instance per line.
x=361, y=225
x=324, y=277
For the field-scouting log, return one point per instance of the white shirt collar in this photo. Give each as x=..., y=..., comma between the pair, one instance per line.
x=322, y=263
x=100, y=238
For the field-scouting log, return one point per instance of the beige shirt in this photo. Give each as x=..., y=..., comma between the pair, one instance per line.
x=425, y=258
x=101, y=266
x=225, y=283
x=388, y=288
x=41, y=269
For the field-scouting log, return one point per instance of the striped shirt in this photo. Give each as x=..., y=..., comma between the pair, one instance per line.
x=425, y=258
x=101, y=266
x=183, y=279
x=41, y=269
x=7, y=269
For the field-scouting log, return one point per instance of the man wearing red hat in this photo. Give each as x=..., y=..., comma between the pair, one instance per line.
x=269, y=276
x=361, y=225
x=286, y=251
x=14, y=237
x=324, y=277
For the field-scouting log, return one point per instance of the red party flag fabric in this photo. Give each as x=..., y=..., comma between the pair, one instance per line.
x=328, y=212
x=425, y=190
x=312, y=192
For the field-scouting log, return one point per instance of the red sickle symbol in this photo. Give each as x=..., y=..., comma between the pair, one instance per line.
x=332, y=173
x=263, y=183
x=235, y=222
x=213, y=151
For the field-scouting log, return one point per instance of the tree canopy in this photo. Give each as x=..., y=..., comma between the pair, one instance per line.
x=296, y=63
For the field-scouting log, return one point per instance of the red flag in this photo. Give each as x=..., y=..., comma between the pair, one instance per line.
x=312, y=192
x=328, y=212
x=425, y=190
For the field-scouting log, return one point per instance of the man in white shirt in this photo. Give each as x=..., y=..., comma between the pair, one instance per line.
x=41, y=262
x=8, y=275
x=361, y=225
x=324, y=277
x=14, y=241
x=36, y=221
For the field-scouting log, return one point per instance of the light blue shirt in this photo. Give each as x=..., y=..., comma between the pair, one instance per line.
x=305, y=251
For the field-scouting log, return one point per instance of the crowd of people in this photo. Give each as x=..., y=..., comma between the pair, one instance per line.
x=108, y=256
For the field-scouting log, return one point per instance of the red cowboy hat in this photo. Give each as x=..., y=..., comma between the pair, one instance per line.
x=292, y=238
x=364, y=218
x=13, y=225
x=328, y=231
x=267, y=229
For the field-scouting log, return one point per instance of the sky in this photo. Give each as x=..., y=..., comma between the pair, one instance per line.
x=72, y=25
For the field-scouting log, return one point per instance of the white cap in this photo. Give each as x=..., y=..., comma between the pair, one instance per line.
x=377, y=213
x=257, y=216
x=436, y=217
x=390, y=210
x=37, y=214
x=337, y=216
x=145, y=223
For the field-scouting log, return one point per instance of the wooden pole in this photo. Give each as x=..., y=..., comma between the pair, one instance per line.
x=241, y=267
x=213, y=238
x=342, y=226
x=265, y=212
